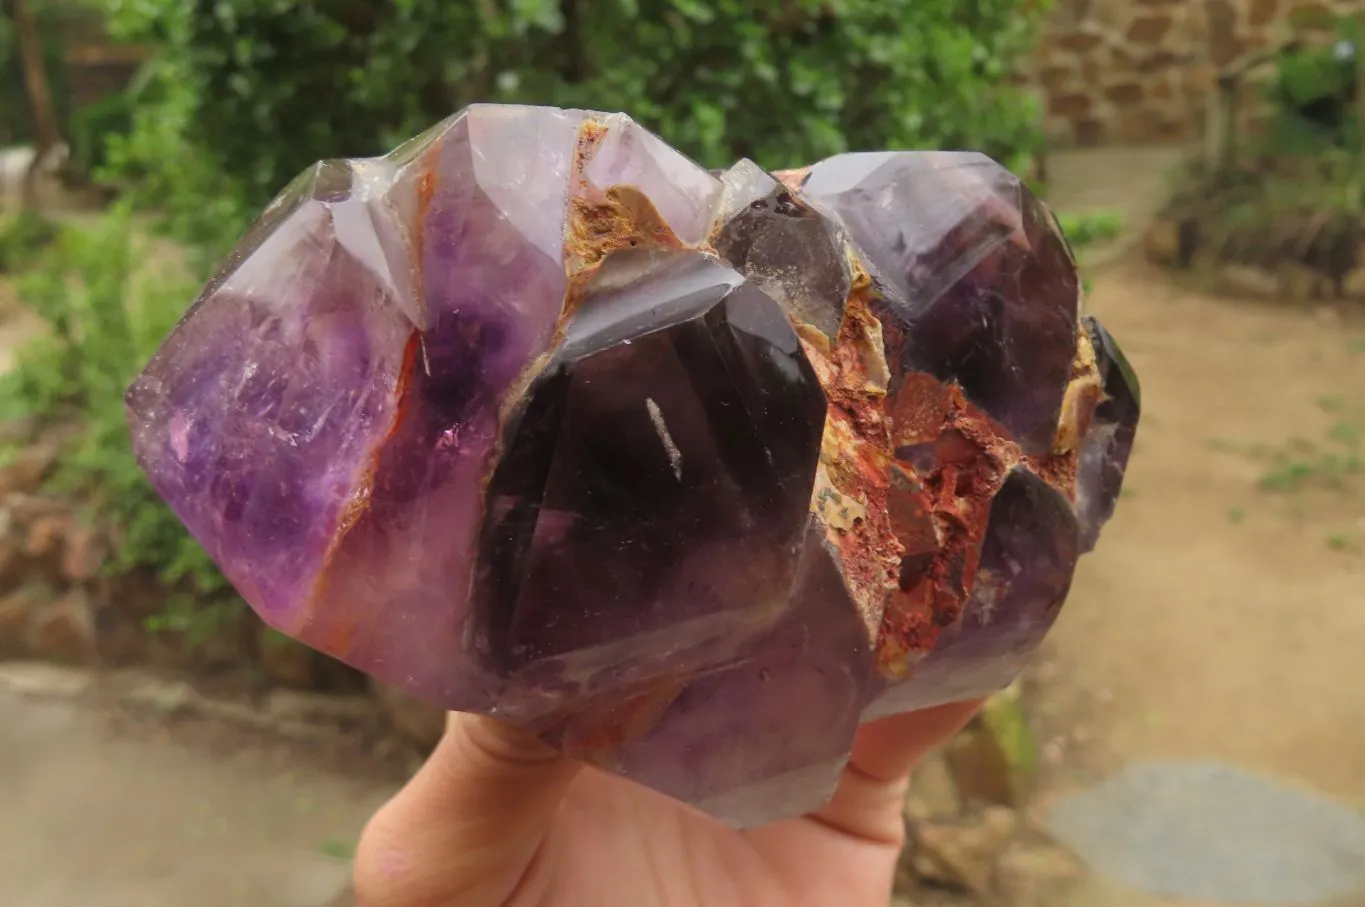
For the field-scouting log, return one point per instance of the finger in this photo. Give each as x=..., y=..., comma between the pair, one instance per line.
x=464, y=830
x=868, y=801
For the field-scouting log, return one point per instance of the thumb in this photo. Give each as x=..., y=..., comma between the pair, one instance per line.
x=464, y=830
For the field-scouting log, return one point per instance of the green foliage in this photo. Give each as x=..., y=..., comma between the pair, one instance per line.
x=196, y=621
x=161, y=163
x=1336, y=462
x=1294, y=194
x=22, y=237
x=245, y=93
x=1314, y=87
x=94, y=126
x=1304, y=205
x=338, y=849
x=103, y=324
x=1089, y=228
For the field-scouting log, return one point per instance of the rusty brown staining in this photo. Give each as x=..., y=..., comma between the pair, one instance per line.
x=343, y=622
x=357, y=505
x=971, y=454
x=950, y=503
x=602, y=221
x=920, y=410
x=911, y=548
x=597, y=735
x=620, y=218
x=912, y=553
x=426, y=191
x=854, y=482
x=792, y=179
x=590, y=136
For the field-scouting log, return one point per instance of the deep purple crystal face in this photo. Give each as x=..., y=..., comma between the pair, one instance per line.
x=768, y=734
x=646, y=516
x=1027, y=559
x=974, y=266
x=690, y=473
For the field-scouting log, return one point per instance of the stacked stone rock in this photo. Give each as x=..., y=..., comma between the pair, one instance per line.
x=689, y=473
x=1140, y=71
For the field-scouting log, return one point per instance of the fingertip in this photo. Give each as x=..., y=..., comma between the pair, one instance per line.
x=867, y=804
x=467, y=825
x=887, y=749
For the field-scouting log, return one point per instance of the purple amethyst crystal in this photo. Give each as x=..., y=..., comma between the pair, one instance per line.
x=1026, y=563
x=974, y=266
x=691, y=473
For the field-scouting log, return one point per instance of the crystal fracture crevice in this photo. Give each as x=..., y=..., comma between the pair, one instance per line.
x=689, y=473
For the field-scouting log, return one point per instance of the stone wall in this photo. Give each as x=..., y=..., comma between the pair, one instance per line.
x=1139, y=71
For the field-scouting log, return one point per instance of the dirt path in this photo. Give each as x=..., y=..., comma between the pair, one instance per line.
x=1218, y=620
x=100, y=808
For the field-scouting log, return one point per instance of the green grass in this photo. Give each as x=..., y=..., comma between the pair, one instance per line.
x=1089, y=228
x=1342, y=541
x=23, y=236
x=337, y=849
x=1335, y=462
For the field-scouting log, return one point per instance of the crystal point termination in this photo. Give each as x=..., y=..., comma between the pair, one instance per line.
x=689, y=473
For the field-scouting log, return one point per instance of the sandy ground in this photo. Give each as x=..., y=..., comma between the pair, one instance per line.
x=1218, y=620
x=97, y=811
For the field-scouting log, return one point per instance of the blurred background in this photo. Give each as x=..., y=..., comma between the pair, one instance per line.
x=1192, y=733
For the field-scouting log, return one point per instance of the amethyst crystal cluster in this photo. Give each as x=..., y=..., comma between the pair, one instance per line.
x=690, y=473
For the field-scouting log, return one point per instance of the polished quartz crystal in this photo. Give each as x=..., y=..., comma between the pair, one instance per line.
x=690, y=473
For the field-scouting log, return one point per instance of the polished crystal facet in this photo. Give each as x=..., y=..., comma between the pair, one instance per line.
x=690, y=473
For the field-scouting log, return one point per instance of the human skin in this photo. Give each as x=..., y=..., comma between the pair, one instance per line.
x=497, y=819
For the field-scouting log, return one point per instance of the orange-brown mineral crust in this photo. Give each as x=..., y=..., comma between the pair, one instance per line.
x=851, y=493
x=951, y=503
x=972, y=456
x=911, y=544
x=602, y=221
x=1084, y=394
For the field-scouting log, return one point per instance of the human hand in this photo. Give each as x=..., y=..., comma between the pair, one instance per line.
x=497, y=819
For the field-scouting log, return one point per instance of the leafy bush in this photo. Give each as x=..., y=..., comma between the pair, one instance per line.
x=1314, y=88
x=1292, y=197
x=22, y=237
x=1090, y=228
x=103, y=322
x=95, y=125
x=245, y=93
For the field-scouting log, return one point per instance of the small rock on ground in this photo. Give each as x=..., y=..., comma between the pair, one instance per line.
x=1204, y=830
